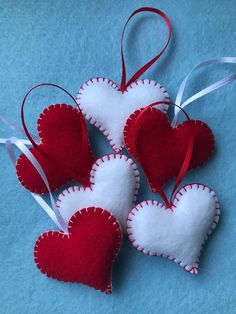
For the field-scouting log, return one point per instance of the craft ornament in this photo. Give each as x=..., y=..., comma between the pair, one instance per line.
x=63, y=145
x=159, y=144
x=86, y=254
x=114, y=186
x=177, y=233
x=160, y=148
x=107, y=106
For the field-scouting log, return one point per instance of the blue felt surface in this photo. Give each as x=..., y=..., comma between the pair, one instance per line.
x=67, y=42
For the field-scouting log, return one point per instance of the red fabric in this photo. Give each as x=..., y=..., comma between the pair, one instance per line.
x=87, y=254
x=161, y=149
x=61, y=154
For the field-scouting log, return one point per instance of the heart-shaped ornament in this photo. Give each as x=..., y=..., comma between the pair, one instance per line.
x=62, y=153
x=108, y=108
x=177, y=233
x=160, y=149
x=86, y=254
x=114, y=186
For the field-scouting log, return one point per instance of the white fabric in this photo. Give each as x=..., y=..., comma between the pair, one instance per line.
x=108, y=108
x=177, y=234
x=115, y=183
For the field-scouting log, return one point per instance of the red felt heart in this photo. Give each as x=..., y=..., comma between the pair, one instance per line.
x=85, y=255
x=161, y=149
x=62, y=153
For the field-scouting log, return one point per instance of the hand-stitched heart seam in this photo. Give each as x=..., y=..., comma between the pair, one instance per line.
x=108, y=108
x=85, y=255
x=114, y=186
x=177, y=233
x=160, y=149
x=60, y=155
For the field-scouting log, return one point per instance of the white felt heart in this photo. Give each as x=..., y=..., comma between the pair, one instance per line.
x=114, y=186
x=177, y=233
x=108, y=108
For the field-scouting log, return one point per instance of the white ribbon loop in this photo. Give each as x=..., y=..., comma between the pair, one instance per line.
x=53, y=212
x=26, y=142
x=225, y=81
x=18, y=129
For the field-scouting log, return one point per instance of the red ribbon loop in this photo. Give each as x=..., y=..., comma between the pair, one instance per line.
x=84, y=139
x=187, y=157
x=124, y=84
x=84, y=136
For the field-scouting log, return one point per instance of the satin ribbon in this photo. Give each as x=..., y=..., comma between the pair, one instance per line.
x=143, y=69
x=225, y=81
x=186, y=160
x=53, y=212
x=84, y=130
x=26, y=142
x=84, y=136
x=16, y=128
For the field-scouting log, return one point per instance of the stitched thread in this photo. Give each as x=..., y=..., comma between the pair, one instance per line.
x=39, y=130
x=181, y=125
x=115, y=224
x=191, y=269
x=94, y=122
x=95, y=166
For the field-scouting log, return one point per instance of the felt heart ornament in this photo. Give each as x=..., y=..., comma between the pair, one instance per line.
x=86, y=254
x=160, y=148
x=108, y=108
x=177, y=233
x=63, y=152
x=114, y=186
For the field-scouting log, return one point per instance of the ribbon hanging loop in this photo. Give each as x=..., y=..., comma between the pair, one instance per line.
x=84, y=136
x=53, y=212
x=84, y=131
x=186, y=160
x=143, y=69
x=225, y=81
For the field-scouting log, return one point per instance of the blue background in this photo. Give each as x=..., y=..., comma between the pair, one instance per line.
x=68, y=42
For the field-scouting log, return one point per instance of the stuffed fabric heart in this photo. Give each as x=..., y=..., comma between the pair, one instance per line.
x=85, y=255
x=114, y=185
x=177, y=233
x=108, y=108
x=160, y=149
x=61, y=153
